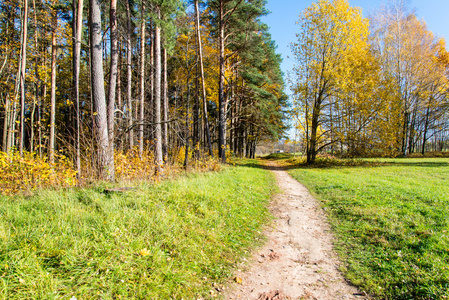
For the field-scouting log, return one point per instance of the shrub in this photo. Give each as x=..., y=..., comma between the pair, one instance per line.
x=30, y=172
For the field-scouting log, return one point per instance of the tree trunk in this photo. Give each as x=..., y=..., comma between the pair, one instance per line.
x=426, y=125
x=203, y=83
x=129, y=78
x=165, y=106
x=112, y=86
x=77, y=27
x=98, y=92
x=311, y=155
x=142, y=80
x=22, y=76
x=187, y=131
x=6, y=126
x=151, y=104
x=76, y=78
x=119, y=97
x=53, y=86
x=196, y=117
x=221, y=96
x=157, y=98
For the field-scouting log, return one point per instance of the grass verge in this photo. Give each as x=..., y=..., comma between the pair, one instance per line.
x=168, y=241
x=391, y=221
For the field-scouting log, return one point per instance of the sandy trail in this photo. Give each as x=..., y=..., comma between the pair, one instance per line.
x=297, y=262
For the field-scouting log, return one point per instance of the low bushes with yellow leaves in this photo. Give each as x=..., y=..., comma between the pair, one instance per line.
x=29, y=172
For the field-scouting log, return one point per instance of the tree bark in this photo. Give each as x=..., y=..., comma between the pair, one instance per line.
x=196, y=116
x=151, y=104
x=142, y=80
x=129, y=77
x=76, y=82
x=221, y=96
x=6, y=126
x=53, y=86
x=112, y=88
x=426, y=126
x=22, y=76
x=98, y=92
x=187, y=131
x=165, y=106
x=157, y=98
x=119, y=95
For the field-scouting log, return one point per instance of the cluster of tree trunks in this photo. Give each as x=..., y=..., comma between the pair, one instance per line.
x=173, y=94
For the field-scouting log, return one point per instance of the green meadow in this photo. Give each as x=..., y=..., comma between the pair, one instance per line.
x=390, y=218
x=177, y=239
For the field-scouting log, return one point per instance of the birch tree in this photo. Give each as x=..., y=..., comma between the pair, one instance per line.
x=332, y=36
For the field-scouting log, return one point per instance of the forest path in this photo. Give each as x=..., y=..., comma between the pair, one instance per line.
x=298, y=261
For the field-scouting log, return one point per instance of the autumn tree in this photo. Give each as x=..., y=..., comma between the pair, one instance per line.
x=407, y=51
x=333, y=35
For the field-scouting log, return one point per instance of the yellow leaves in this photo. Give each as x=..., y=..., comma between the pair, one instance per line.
x=238, y=280
x=128, y=165
x=144, y=252
x=29, y=172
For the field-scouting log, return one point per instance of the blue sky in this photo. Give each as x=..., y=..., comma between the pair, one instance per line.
x=284, y=14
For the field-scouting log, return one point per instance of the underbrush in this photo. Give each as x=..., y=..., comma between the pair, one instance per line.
x=172, y=240
x=30, y=173
x=391, y=221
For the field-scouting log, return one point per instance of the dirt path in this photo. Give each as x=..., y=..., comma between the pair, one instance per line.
x=297, y=262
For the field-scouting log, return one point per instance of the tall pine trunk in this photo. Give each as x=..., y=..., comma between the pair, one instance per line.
x=142, y=80
x=98, y=92
x=129, y=53
x=112, y=86
x=53, y=85
x=157, y=97
x=22, y=76
x=119, y=95
x=221, y=96
x=165, y=106
x=77, y=26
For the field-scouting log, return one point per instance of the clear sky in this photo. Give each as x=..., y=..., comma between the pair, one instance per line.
x=284, y=14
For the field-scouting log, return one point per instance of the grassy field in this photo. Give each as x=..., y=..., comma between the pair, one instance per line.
x=391, y=222
x=174, y=240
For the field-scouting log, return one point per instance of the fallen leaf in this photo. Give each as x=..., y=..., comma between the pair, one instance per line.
x=144, y=252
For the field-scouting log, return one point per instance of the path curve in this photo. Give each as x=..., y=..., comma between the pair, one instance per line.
x=297, y=262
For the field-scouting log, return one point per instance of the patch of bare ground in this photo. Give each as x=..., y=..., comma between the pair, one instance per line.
x=298, y=261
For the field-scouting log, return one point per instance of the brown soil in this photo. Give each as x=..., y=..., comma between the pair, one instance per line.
x=298, y=261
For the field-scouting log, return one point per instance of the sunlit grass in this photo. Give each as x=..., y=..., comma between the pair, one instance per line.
x=391, y=220
x=172, y=240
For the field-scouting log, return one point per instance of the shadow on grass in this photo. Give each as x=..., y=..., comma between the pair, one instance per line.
x=287, y=161
x=427, y=164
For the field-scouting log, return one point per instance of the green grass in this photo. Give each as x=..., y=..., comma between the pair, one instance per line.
x=391, y=221
x=168, y=241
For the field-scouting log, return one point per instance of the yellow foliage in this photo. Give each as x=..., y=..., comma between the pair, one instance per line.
x=179, y=157
x=29, y=172
x=129, y=166
x=144, y=252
